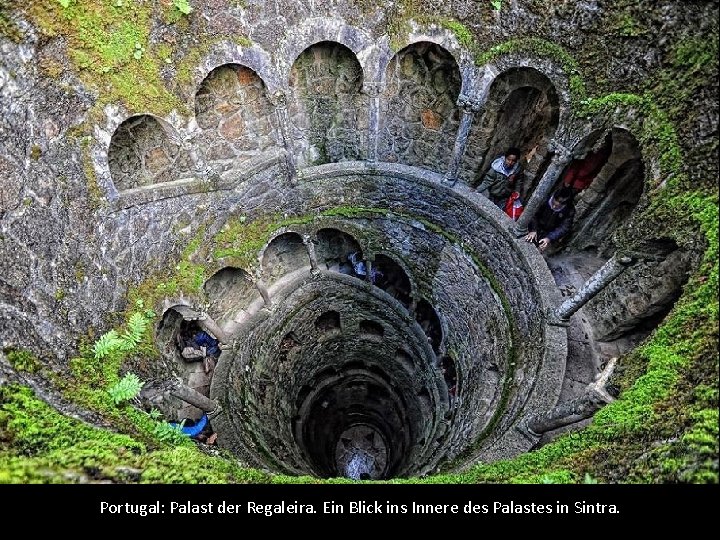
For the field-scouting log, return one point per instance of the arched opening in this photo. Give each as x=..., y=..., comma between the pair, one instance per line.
x=372, y=328
x=284, y=254
x=236, y=116
x=328, y=322
x=522, y=110
x=392, y=279
x=141, y=153
x=633, y=305
x=228, y=291
x=327, y=111
x=189, y=351
x=428, y=319
x=419, y=117
x=334, y=248
x=611, y=194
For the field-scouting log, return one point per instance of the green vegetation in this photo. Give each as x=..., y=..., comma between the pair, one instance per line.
x=39, y=445
x=23, y=360
x=108, y=46
x=8, y=28
x=125, y=389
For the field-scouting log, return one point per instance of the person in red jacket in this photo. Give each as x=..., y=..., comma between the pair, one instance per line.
x=581, y=172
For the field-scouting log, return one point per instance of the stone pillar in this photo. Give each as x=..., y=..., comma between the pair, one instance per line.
x=413, y=306
x=562, y=156
x=368, y=269
x=470, y=108
x=279, y=99
x=311, y=252
x=201, y=167
x=209, y=325
x=372, y=89
x=597, y=282
x=575, y=410
x=260, y=285
x=193, y=397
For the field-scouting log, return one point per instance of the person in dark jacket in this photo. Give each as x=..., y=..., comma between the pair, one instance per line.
x=553, y=220
x=502, y=178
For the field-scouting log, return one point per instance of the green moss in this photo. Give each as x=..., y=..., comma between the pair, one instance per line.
x=35, y=152
x=239, y=241
x=102, y=38
x=461, y=32
x=39, y=445
x=624, y=24
x=23, y=360
x=8, y=28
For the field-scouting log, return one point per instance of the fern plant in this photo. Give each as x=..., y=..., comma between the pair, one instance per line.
x=107, y=344
x=170, y=433
x=111, y=342
x=183, y=6
x=125, y=389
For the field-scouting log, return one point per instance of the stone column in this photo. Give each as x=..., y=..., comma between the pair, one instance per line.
x=209, y=325
x=372, y=89
x=581, y=408
x=200, y=166
x=193, y=397
x=311, y=252
x=260, y=285
x=470, y=108
x=597, y=282
x=562, y=156
x=368, y=268
x=413, y=306
x=279, y=99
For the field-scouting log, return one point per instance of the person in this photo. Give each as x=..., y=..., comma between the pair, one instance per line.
x=553, y=220
x=581, y=172
x=502, y=178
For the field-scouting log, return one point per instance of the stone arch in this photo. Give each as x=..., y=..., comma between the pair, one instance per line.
x=333, y=249
x=328, y=112
x=228, y=52
x=229, y=290
x=321, y=29
x=177, y=324
x=394, y=279
x=522, y=110
x=428, y=319
x=609, y=200
x=284, y=254
x=419, y=117
x=235, y=116
x=144, y=150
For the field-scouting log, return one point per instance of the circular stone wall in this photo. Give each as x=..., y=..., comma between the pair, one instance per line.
x=337, y=377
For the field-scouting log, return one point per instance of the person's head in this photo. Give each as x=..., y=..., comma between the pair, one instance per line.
x=512, y=156
x=560, y=198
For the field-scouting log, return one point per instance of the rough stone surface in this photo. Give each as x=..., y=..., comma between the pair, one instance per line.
x=97, y=197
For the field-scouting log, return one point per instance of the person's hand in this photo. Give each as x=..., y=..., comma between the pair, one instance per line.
x=531, y=236
x=543, y=244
